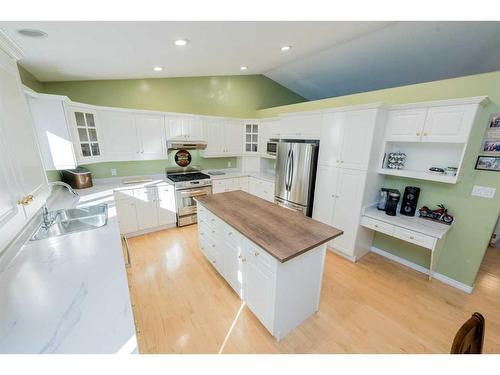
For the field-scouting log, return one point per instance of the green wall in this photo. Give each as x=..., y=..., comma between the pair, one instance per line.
x=149, y=167
x=234, y=96
x=475, y=217
x=29, y=80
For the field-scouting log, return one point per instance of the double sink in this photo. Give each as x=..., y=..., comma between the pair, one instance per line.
x=72, y=220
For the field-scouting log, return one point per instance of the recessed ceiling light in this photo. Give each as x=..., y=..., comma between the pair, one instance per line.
x=181, y=42
x=158, y=68
x=32, y=33
x=243, y=67
x=286, y=48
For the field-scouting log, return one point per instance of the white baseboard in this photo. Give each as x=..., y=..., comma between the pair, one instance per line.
x=149, y=230
x=338, y=252
x=438, y=276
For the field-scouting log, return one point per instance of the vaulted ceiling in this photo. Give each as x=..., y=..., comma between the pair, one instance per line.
x=326, y=58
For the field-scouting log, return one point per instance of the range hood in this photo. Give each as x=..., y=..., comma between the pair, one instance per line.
x=186, y=145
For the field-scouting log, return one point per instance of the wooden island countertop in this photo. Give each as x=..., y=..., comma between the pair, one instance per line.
x=283, y=233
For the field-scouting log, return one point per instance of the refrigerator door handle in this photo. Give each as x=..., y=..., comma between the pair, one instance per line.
x=291, y=171
x=287, y=172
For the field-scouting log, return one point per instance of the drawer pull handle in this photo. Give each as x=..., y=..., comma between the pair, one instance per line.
x=376, y=225
x=213, y=261
x=244, y=259
x=412, y=238
x=213, y=245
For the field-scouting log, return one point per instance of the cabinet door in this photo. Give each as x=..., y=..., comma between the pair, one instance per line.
x=346, y=214
x=232, y=265
x=449, y=124
x=150, y=132
x=219, y=186
x=127, y=215
x=357, y=139
x=19, y=138
x=332, y=129
x=147, y=208
x=244, y=184
x=258, y=288
x=233, y=133
x=251, y=134
x=301, y=126
x=193, y=128
x=166, y=205
x=405, y=125
x=175, y=128
x=52, y=130
x=87, y=136
x=119, y=135
x=324, y=193
x=214, y=136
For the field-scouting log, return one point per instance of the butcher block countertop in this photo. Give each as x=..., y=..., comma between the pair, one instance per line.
x=283, y=233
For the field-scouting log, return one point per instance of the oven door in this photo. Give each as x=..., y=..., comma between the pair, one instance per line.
x=186, y=205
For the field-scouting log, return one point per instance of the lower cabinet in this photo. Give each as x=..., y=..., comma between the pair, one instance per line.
x=140, y=210
x=255, y=186
x=280, y=295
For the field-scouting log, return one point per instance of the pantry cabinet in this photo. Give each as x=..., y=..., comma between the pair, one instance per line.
x=23, y=184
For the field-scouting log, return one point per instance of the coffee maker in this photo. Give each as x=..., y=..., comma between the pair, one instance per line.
x=388, y=201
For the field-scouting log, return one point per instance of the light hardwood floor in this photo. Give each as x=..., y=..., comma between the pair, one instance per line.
x=182, y=305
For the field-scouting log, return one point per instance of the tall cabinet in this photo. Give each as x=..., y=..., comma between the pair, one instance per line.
x=350, y=142
x=23, y=184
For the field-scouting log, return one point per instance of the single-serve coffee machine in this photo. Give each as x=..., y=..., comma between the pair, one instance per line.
x=388, y=201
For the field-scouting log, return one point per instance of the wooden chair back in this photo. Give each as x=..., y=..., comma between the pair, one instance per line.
x=470, y=337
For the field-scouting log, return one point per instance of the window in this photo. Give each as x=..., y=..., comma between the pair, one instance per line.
x=251, y=137
x=87, y=134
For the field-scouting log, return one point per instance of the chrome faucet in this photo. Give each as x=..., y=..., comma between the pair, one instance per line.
x=47, y=220
x=60, y=183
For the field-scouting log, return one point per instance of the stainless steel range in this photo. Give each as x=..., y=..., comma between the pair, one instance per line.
x=189, y=183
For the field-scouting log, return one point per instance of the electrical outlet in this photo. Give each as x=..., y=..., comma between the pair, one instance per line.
x=113, y=171
x=229, y=164
x=483, y=191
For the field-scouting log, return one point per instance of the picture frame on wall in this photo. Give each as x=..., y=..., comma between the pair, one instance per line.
x=488, y=163
x=494, y=123
x=491, y=145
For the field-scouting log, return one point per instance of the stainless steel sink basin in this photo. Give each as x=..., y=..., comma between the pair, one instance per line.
x=73, y=220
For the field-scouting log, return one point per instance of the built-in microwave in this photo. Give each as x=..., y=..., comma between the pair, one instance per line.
x=272, y=146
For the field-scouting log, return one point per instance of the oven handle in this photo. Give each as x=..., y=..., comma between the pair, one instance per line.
x=195, y=193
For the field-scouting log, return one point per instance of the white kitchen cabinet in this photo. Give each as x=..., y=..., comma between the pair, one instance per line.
x=255, y=186
x=449, y=124
x=184, y=128
x=405, y=125
x=251, y=137
x=269, y=129
x=347, y=137
x=119, y=135
x=347, y=208
x=325, y=191
x=260, y=188
x=151, y=136
x=127, y=215
x=21, y=171
x=86, y=134
x=52, y=131
x=223, y=137
x=258, y=286
x=142, y=210
x=301, y=125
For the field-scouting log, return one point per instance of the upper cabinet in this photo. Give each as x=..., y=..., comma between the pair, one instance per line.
x=85, y=133
x=223, y=137
x=184, y=128
x=301, y=125
x=430, y=134
x=347, y=137
x=118, y=133
x=23, y=184
x=447, y=123
x=151, y=136
x=251, y=133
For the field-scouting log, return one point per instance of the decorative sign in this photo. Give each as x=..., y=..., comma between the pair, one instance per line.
x=490, y=146
x=182, y=158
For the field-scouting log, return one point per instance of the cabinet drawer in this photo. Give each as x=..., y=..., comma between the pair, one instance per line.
x=377, y=225
x=414, y=237
x=261, y=256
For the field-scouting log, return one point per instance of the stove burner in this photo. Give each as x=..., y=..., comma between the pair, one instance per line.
x=181, y=177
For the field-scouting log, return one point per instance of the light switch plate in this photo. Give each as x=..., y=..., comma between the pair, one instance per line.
x=229, y=164
x=113, y=171
x=483, y=191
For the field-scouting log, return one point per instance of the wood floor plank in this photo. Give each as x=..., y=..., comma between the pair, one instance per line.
x=182, y=305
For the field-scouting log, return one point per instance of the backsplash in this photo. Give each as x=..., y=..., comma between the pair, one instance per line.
x=148, y=167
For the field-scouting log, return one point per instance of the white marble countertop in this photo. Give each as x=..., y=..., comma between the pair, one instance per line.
x=234, y=173
x=68, y=294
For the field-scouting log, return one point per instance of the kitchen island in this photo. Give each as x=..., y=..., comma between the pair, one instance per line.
x=271, y=256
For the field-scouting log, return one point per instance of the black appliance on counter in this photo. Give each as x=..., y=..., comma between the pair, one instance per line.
x=410, y=199
x=388, y=201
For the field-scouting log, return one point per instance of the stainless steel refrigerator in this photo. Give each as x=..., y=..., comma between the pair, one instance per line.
x=296, y=174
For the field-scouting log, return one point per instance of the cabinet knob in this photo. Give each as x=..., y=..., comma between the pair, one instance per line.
x=213, y=261
x=213, y=245
x=240, y=256
x=376, y=225
x=412, y=238
x=256, y=253
x=243, y=259
x=418, y=133
x=425, y=134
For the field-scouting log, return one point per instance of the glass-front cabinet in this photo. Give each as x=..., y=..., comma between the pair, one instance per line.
x=85, y=128
x=251, y=135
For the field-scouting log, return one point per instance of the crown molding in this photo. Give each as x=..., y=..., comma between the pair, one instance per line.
x=9, y=46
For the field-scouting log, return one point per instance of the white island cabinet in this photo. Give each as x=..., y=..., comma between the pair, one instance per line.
x=281, y=292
